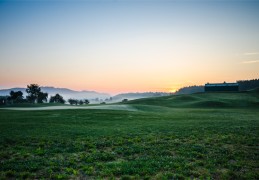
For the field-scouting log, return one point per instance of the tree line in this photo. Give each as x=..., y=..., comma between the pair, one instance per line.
x=244, y=85
x=190, y=90
x=35, y=95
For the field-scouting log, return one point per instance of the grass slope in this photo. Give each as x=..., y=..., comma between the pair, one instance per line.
x=204, y=100
x=196, y=142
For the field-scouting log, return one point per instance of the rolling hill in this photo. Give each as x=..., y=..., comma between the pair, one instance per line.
x=197, y=136
x=203, y=100
x=132, y=96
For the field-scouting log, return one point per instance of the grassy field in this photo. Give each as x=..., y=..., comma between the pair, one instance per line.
x=211, y=135
x=32, y=105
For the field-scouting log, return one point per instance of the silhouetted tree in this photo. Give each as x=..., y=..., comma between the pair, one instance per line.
x=86, y=101
x=76, y=101
x=73, y=101
x=35, y=94
x=125, y=100
x=57, y=99
x=190, y=90
x=81, y=102
x=245, y=85
x=33, y=91
x=42, y=97
x=15, y=97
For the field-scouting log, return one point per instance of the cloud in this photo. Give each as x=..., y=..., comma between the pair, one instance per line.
x=250, y=53
x=250, y=62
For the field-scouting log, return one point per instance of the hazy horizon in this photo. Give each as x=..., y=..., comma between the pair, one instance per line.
x=127, y=46
x=112, y=94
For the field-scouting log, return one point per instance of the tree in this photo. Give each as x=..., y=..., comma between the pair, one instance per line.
x=86, y=101
x=125, y=100
x=57, y=99
x=42, y=97
x=15, y=97
x=33, y=91
x=73, y=101
x=81, y=102
x=245, y=85
x=76, y=102
x=35, y=94
x=70, y=101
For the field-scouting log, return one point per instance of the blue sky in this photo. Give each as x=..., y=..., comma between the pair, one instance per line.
x=120, y=46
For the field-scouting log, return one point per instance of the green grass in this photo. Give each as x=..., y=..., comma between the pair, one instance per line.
x=204, y=100
x=169, y=137
x=33, y=105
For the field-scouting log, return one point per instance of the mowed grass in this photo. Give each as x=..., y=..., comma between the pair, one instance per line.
x=32, y=105
x=205, y=100
x=157, y=142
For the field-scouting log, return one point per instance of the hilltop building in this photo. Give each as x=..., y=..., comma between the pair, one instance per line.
x=221, y=87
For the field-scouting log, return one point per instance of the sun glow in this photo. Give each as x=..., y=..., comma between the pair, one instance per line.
x=172, y=90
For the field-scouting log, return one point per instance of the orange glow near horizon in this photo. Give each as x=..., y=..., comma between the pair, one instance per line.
x=119, y=85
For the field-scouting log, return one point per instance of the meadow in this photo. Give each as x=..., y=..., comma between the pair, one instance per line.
x=205, y=136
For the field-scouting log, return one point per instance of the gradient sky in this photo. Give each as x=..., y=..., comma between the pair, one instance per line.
x=127, y=46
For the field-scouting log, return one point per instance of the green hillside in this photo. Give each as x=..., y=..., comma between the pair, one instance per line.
x=198, y=136
x=204, y=100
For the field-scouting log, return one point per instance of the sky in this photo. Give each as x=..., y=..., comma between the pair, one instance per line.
x=117, y=46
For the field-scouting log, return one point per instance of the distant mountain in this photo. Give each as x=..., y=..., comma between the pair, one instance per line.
x=66, y=93
x=131, y=96
x=94, y=97
x=5, y=92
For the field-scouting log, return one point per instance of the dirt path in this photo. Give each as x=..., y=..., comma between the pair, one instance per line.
x=111, y=107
